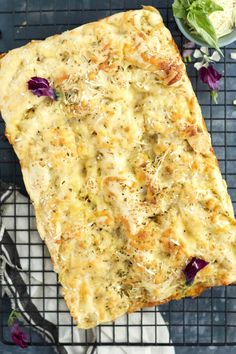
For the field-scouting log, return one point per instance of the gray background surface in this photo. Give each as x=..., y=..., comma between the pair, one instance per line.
x=15, y=33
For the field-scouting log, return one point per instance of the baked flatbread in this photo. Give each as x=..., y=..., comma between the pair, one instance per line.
x=119, y=166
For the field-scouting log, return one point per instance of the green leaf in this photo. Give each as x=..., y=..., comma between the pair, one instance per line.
x=212, y=7
x=13, y=315
x=203, y=26
x=214, y=96
x=10, y=321
x=180, y=8
x=206, y=6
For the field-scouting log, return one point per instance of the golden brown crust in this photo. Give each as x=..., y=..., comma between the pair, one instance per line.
x=120, y=168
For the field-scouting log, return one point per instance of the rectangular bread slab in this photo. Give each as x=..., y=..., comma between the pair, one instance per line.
x=120, y=168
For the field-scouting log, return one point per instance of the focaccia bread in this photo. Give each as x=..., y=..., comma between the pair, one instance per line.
x=119, y=166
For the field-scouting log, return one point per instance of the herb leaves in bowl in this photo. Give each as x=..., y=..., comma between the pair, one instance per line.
x=195, y=15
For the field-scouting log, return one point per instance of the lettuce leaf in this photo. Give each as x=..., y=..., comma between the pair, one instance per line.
x=195, y=14
x=180, y=8
x=206, y=6
x=203, y=26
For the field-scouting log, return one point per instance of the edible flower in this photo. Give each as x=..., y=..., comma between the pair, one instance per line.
x=41, y=87
x=193, y=267
x=233, y=55
x=17, y=335
x=206, y=71
x=19, y=338
x=188, y=51
x=210, y=76
x=203, y=54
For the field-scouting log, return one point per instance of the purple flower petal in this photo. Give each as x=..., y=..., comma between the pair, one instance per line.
x=189, y=45
x=19, y=338
x=41, y=87
x=210, y=76
x=193, y=267
x=187, y=53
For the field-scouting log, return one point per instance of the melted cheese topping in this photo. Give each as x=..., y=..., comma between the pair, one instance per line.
x=120, y=168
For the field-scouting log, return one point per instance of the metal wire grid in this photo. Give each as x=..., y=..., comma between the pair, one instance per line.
x=209, y=319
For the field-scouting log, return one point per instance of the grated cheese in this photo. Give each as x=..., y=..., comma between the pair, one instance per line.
x=224, y=21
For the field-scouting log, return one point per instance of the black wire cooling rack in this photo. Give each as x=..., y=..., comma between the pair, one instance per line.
x=207, y=320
